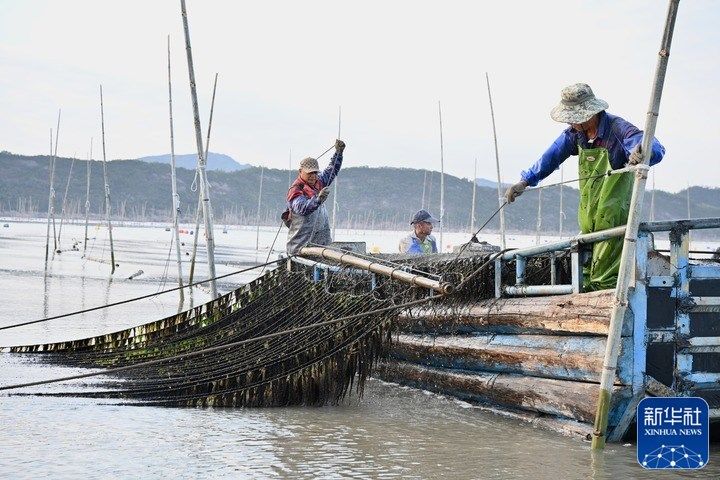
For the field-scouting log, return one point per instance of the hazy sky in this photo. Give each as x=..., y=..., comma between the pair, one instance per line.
x=285, y=67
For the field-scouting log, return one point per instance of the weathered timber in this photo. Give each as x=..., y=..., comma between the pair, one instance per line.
x=574, y=400
x=583, y=313
x=550, y=356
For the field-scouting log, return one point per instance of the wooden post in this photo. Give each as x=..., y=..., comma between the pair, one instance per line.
x=173, y=181
x=497, y=165
x=209, y=240
x=107, y=185
x=627, y=261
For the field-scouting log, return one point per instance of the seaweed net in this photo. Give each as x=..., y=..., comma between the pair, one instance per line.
x=291, y=339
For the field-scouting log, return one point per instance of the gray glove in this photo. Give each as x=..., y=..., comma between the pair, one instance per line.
x=339, y=145
x=322, y=196
x=636, y=156
x=515, y=191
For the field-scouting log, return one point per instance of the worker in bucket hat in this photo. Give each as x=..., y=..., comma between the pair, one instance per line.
x=306, y=215
x=420, y=241
x=601, y=142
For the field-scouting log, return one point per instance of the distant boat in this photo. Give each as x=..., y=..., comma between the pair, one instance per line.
x=225, y=229
x=167, y=229
x=7, y=225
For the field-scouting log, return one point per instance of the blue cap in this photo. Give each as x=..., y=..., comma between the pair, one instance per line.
x=423, y=216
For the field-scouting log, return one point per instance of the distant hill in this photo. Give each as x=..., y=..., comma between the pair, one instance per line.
x=216, y=161
x=368, y=197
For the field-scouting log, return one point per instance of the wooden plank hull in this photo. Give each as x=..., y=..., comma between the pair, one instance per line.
x=576, y=314
x=551, y=356
x=569, y=399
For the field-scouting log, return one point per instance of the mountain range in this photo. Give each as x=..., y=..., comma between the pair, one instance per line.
x=384, y=197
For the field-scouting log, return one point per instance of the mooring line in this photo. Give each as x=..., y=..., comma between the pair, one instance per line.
x=220, y=347
x=143, y=297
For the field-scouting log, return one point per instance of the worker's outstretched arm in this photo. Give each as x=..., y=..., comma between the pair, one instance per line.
x=331, y=171
x=559, y=151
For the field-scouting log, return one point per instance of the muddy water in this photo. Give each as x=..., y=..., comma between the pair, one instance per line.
x=392, y=432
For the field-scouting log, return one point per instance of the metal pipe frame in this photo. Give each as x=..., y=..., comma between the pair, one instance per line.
x=375, y=267
x=524, y=290
x=690, y=224
x=564, y=244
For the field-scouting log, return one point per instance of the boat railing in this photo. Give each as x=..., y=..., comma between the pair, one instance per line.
x=578, y=255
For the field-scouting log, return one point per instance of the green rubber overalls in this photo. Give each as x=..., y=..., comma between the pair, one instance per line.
x=604, y=203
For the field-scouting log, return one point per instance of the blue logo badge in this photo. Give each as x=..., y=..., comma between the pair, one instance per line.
x=673, y=432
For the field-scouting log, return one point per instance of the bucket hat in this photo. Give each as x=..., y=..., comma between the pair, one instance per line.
x=577, y=104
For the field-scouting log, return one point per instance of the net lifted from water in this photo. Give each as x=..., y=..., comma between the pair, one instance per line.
x=283, y=339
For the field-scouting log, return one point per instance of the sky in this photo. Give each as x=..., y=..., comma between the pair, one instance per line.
x=285, y=68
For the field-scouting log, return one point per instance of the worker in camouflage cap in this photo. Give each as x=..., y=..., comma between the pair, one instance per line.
x=306, y=216
x=602, y=142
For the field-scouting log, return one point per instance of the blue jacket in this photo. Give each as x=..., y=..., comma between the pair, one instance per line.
x=412, y=244
x=614, y=133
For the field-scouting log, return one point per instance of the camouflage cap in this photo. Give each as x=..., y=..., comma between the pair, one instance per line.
x=309, y=165
x=577, y=104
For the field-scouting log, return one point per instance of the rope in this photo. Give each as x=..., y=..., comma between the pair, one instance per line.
x=218, y=347
x=143, y=297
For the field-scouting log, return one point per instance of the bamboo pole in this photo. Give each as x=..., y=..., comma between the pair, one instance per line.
x=375, y=267
x=57, y=139
x=107, y=185
x=173, y=180
x=51, y=196
x=562, y=213
x=652, y=199
x=210, y=242
x=64, y=204
x=472, y=210
x=442, y=181
x=627, y=262
x=257, y=215
x=87, y=197
x=422, y=202
x=198, y=211
x=497, y=164
x=335, y=188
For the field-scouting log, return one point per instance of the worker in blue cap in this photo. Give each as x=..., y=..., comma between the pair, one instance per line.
x=420, y=241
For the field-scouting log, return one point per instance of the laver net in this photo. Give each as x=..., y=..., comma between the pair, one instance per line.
x=287, y=338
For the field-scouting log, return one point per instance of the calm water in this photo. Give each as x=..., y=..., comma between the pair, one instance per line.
x=392, y=432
